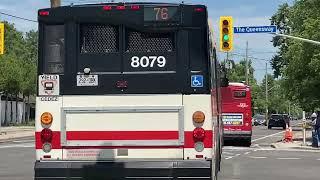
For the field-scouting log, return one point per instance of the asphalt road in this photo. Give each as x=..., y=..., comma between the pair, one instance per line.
x=269, y=164
x=255, y=163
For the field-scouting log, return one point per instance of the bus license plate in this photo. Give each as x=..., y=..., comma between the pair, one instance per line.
x=87, y=80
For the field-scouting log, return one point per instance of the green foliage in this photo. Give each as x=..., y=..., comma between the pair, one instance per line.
x=18, y=63
x=299, y=62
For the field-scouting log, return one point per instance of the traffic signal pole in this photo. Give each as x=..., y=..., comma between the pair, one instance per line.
x=297, y=38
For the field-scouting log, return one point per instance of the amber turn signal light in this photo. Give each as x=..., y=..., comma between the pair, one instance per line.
x=46, y=118
x=198, y=117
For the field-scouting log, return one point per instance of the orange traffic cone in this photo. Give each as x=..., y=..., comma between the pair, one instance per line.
x=288, y=135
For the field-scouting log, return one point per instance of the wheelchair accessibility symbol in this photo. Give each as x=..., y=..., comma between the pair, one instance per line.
x=196, y=81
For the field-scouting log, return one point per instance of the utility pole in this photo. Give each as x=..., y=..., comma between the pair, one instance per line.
x=55, y=3
x=247, y=65
x=266, y=84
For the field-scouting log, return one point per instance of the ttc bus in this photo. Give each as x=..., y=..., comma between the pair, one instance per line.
x=127, y=91
x=236, y=112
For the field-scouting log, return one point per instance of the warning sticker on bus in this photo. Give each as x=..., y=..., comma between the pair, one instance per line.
x=232, y=119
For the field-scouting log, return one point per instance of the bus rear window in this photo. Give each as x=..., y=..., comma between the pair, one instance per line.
x=54, y=51
x=149, y=42
x=99, y=39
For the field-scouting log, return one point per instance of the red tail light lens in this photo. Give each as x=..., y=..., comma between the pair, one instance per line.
x=44, y=13
x=121, y=7
x=135, y=7
x=107, y=8
x=46, y=135
x=198, y=134
x=199, y=9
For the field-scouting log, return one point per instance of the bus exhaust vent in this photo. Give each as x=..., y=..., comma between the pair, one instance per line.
x=149, y=42
x=99, y=39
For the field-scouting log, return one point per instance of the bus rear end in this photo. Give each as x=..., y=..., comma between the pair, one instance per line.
x=124, y=92
x=236, y=113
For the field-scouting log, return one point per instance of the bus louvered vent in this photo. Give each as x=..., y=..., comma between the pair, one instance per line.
x=99, y=39
x=149, y=42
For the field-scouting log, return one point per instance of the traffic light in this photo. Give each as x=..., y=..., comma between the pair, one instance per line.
x=1, y=38
x=226, y=33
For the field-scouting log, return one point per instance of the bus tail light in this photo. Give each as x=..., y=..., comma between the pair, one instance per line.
x=46, y=118
x=107, y=8
x=46, y=135
x=199, y=9
x=198, y=134
x=135, y=7
x=198, y=117
x=121, y=7
x=44, y=13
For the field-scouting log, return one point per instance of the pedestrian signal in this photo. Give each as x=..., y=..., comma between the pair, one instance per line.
x=226, y=33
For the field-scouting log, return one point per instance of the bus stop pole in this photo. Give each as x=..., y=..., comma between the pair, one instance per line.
x=304, y=127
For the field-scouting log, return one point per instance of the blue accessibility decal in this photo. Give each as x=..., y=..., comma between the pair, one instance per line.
x=197, y=81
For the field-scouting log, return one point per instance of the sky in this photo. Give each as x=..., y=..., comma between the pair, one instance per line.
x=244, y=13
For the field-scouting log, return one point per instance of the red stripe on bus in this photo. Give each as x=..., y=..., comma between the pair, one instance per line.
x=122, y=135
x=188, y=140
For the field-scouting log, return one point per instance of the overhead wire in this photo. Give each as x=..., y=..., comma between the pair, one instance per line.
x=18, y=17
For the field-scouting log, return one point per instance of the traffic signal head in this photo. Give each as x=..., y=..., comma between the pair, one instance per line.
x=226, y=33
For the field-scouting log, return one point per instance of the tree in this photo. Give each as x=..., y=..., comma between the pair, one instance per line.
x=18, y=65
x=299, y=62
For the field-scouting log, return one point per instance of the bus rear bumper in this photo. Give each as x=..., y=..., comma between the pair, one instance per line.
x=231, y=135
x=187, y=169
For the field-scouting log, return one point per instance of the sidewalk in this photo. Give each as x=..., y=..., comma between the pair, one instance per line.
x=297, y=142
x=14, y=132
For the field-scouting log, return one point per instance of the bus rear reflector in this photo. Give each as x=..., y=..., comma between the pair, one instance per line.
x=198, y=134
x=198, y=117
x=46, y=135
x=46, y=148
x=107, y=8
x=46, y=118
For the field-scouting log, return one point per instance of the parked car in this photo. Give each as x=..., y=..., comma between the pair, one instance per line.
x=278, y=120
x=259, y=119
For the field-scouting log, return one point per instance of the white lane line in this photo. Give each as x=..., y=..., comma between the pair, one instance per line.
x=257, y=157
x=23, y=141
x=237, y=155
x=17, y=146
x=318, y=159
x=246, y=153
x=288, y=158
x=228, y=153
x=264, y=137
x=229, y=157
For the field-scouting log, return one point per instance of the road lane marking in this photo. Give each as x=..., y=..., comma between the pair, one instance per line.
x=288, y=158
x=257, y=157
x=17, y=146
x=246, y=153
x=264, y=137
x=229, y=157
x=237, y=155
x=23, y=141
x=228, y=153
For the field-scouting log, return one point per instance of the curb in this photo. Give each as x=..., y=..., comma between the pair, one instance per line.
x=307, y=148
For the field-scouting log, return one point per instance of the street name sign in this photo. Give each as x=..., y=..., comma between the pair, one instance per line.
x=255, y=29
